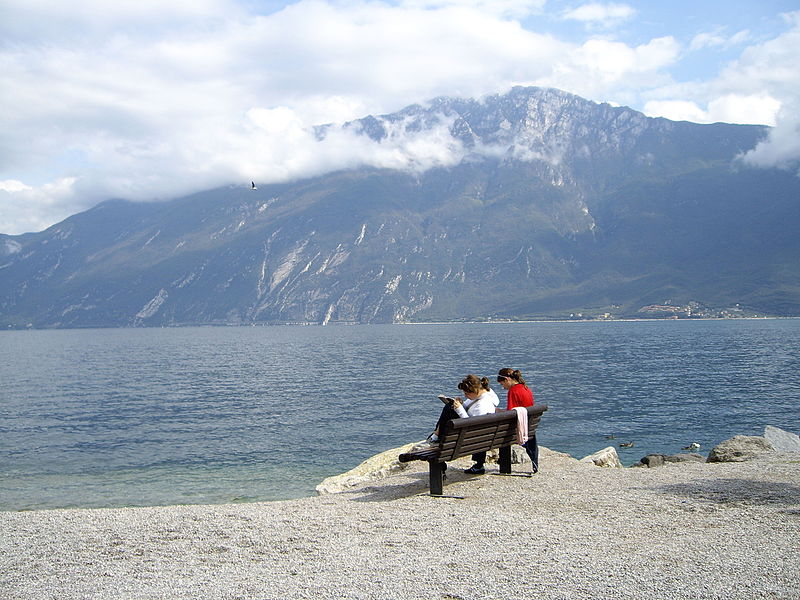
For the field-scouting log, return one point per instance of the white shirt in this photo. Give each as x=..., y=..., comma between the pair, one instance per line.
x=482, y=405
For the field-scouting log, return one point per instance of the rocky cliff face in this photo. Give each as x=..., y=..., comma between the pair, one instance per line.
x=555, y=205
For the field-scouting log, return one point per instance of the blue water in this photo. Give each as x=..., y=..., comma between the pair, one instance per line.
x=130, y=417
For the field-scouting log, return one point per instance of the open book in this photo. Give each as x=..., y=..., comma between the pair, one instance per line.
x=446, y=399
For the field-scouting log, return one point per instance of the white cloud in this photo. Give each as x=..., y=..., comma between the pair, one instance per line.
x=146, y=115
x=762, y=86
x=601, y=66
x=782, y=148
x=145, y=100
x=718, y=39
x=12, y=185
x=730, y=108
x=504, y=8
x=48, y=21
x=773, y=66
x=601, y=15
x=27, y=208
x=748, y=109
x=676, y=110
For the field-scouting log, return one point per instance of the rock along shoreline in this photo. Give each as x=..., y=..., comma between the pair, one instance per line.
x=683, y=530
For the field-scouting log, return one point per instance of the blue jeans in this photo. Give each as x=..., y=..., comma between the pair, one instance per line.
x=532, y=448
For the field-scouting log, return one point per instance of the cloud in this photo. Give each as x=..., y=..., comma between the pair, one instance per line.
x=761, y=86
x=600, y=15
x=717, y=39
x=301, y=151
x=26, y=208
x=600, y=66
x=781, y=149
x=148, y=100
x=145, y=108
x=730, y=108
x=48, y=22
x=772, y=65
x=676, y=110
x=501, y=8
x=739, y=108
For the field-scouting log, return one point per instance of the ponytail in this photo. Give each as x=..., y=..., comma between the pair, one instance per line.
x=514, y=374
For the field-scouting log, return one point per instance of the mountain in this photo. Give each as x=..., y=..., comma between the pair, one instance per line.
x=558, y=207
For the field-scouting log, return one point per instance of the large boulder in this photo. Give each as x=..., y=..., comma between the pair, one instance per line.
x=607, y=457
x=781, y=440
x=376, y=467
x=739, y=449
x=518, y=455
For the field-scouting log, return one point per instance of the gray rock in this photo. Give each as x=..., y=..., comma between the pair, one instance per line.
x=739, y=448
x=691, y=457
x=653, y=460
x=657, y=460
x=782, y=440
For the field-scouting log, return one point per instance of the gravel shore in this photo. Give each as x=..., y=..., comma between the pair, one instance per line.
x=689, y=530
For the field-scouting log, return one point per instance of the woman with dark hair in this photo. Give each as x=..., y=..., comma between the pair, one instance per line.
x=480, y=400
x=519, y=394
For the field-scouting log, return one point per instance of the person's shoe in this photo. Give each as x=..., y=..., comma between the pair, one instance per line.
x=426, y=445
x=475, y=470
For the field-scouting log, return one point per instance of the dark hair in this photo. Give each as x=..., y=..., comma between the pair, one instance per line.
x=473, y=385
x=514, y=374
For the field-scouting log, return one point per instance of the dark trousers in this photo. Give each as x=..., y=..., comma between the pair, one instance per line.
x=532, y=448
x=448, y=413
x=479, y=458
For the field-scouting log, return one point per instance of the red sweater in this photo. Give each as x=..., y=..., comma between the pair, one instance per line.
x=519, y=395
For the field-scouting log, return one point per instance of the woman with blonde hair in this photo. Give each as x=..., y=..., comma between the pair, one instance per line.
x=519, y=394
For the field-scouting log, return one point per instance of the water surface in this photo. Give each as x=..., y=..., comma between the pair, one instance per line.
x=128, y=417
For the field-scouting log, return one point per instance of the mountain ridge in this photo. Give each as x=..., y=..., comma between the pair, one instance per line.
x=556, y=206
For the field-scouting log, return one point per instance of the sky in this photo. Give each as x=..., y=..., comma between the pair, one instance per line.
x=149, y=100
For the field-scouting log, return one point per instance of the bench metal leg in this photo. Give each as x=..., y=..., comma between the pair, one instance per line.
x=436, y=479
x=505, y=459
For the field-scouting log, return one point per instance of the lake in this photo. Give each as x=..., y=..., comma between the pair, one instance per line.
x=134, y=417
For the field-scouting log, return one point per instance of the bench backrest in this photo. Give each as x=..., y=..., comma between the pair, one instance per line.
x=476, y=434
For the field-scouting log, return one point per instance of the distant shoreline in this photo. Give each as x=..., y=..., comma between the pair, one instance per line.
x=353, y=324
x=626, y=320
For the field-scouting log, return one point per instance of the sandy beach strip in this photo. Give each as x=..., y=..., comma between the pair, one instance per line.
x=689, y=530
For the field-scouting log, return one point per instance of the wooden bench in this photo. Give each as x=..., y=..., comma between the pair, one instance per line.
x=472, y=435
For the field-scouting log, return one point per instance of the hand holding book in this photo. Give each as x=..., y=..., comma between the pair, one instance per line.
x=455, y=403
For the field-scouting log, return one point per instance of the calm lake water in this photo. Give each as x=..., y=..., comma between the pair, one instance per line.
x=131, y=417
